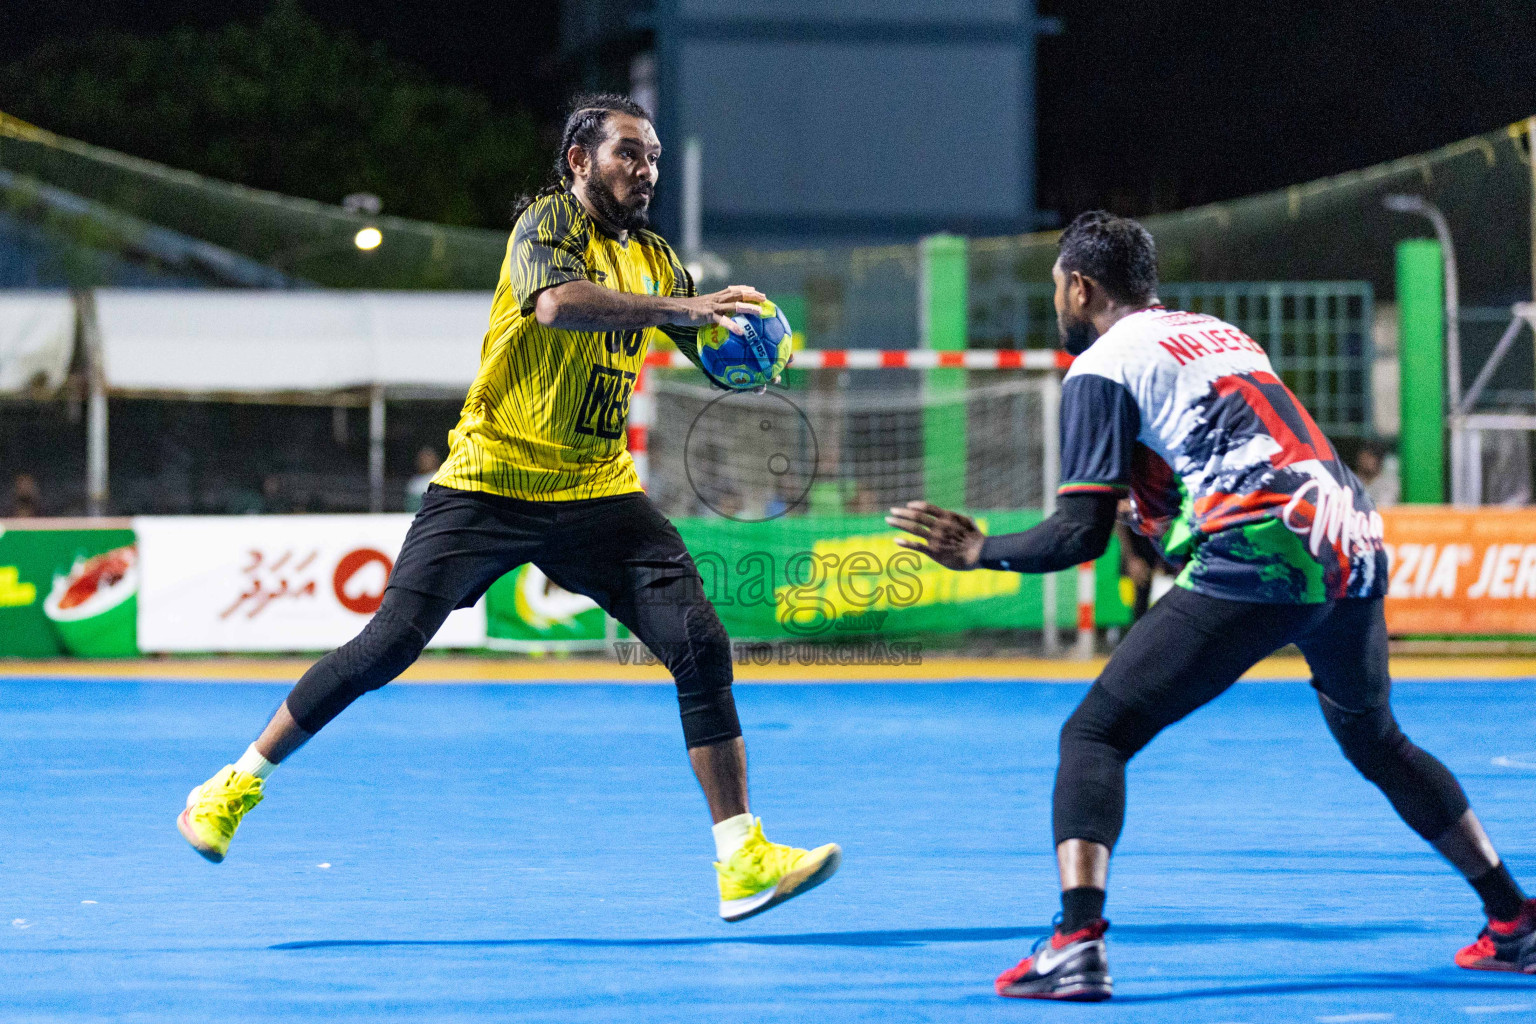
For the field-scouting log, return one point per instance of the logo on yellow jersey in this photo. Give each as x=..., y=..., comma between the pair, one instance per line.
x=605, y=404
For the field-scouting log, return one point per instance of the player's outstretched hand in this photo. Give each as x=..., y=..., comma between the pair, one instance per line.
x=953, y=540
x=718, y=307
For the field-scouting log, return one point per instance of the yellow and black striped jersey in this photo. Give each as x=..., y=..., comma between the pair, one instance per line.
x=545, y=418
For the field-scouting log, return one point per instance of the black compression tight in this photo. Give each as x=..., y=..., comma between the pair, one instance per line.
x=391, y=641
x=668, y=611
x=1188, y=650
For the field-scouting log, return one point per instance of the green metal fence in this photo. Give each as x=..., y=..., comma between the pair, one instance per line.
x=1317, y=333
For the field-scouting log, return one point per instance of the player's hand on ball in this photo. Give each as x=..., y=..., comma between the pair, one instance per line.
x=949, y=538
x=719, y=307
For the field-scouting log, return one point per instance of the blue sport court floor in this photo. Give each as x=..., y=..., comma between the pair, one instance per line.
x=541, y=853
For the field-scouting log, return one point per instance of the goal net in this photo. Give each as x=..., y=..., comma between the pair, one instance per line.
x=846, y=450
x=782, y=497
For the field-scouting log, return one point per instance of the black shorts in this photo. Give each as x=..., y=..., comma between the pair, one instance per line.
x=1189, y=648
x=603, y=548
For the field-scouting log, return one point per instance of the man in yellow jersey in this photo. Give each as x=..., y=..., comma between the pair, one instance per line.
x=538, y=472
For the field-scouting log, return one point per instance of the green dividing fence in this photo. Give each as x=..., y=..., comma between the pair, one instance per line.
x=1317, y=333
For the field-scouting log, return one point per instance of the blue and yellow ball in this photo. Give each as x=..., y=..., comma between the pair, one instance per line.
x=753, y=358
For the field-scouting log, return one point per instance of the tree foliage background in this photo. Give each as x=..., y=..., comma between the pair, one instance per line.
x=288, y=105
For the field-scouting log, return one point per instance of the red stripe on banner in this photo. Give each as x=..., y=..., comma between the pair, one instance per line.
x=894, y=360
x=637, y=437
x=951, y=358
x=1010, y=359
x=661, y=360
x=834, y=359
x=1063, y=361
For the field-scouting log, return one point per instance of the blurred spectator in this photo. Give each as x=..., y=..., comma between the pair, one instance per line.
x=427, y=463
x=26, y=498
x=272, y=494
x=1378, y=471
x=863, y=502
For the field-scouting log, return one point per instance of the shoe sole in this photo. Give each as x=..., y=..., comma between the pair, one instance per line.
x=1078, y=990
x=184, y=826
x=801, y=880
x=1498, y=965
x=1069, y=996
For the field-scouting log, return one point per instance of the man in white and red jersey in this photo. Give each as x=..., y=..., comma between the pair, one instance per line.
x=1279, y=544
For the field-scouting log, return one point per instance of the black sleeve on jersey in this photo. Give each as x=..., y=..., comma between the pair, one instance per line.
x=1077, y=532
x=684, y=336
x=549, y=248
x=1099, y=425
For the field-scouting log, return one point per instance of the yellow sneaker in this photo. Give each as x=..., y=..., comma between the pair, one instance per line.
x=215, y=808
x=763, y=874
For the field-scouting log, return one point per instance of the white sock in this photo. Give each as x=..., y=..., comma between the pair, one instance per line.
x=253, y=763
x=731, y=835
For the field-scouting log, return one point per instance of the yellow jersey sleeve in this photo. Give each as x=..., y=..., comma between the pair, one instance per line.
x=549, y=248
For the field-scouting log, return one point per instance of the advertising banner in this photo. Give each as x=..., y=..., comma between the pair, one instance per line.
x=525, y=610
x=310, y=583
x=840, y=577
x=271, y=583
x=1468, y=571
x=67, y=591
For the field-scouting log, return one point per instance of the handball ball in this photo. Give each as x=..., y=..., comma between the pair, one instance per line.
x=751, y=359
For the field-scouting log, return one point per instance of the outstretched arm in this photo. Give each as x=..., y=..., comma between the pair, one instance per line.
x=1077, y=532
x=588, y=306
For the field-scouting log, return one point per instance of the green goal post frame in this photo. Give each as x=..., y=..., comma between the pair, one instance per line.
x=1421, y=351
x=942, y=321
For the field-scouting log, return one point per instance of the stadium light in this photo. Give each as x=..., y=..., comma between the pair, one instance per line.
x=368, y=239
x=1399, y=202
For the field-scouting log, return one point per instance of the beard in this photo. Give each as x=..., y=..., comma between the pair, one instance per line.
x=1076, y=335
x=631, y=216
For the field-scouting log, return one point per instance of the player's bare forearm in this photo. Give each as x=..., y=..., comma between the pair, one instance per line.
x=587, y=306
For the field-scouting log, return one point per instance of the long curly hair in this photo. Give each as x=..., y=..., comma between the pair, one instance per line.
x=585, y=126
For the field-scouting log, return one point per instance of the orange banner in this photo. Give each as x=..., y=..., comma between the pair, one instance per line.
x=1461, y=570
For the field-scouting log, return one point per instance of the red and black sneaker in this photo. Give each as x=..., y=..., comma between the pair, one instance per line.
x=1062, y=966
x=1504, y=945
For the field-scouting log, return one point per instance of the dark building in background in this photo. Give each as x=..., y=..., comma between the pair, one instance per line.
x=829, y=120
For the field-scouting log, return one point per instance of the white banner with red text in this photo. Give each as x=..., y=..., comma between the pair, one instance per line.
x=271, y=583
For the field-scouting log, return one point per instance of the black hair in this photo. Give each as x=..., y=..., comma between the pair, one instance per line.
x=586, y=126
x=1116, y=252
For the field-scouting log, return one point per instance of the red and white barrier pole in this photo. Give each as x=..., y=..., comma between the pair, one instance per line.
x=642, y=413
x=1085, y=593
x=902, y=359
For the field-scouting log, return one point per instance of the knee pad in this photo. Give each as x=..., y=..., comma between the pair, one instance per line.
x=387, y=646
x=1371, y=739
x=1104, y=721
x=1096, y=742
x=679, y=625
x=1422, y=791
x=703, y=677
